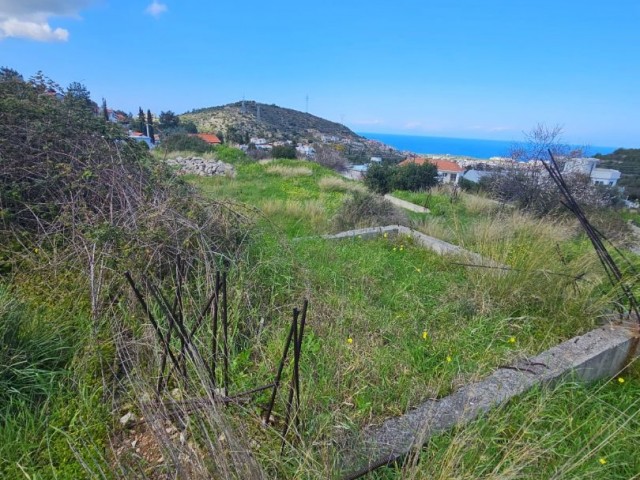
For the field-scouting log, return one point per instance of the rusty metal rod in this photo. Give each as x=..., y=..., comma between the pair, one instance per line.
x=153, y=321
x=276, y=382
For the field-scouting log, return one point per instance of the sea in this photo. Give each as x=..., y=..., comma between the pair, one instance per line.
x=467, y=147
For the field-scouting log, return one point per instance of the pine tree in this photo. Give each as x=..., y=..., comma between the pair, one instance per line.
x=150, y=125
x=105, y=111
x=141, y=120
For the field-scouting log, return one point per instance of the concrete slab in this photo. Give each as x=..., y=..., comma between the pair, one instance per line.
x=398, y=202
x=601, y=353
x=439, y=246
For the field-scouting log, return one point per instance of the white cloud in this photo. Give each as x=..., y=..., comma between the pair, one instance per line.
x=156, y=9
x=42, y=32
x=30, y=18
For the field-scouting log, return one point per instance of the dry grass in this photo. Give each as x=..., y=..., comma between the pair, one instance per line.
x=312, y=211
x=289, y=171
x=336, y=184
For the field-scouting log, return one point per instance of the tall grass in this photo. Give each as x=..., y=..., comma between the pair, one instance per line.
x=569, y=431
x=286, y=171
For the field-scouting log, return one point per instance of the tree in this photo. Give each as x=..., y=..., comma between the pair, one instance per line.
x=79, y=98
x=189, y=127
x=378, y=178
x=527, y=184
x=383, y=178
x=414, y=177
x=141, y=121
x=10, y=75
x=169, y=120
x=105, y=110
x=150, y=125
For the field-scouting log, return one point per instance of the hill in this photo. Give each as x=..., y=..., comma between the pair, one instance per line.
x=627, y=161
x=239, y=122
x=266, y=121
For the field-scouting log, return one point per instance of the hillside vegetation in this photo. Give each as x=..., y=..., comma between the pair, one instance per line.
x=88, y=389
x=272, y=121
x=627, y=161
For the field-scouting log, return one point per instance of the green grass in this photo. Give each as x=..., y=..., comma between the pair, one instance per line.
x=570, y=431
x=49, y=415
x=294, y=203
x=390, y=325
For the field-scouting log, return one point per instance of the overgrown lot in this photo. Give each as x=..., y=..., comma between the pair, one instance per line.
x=389, y=324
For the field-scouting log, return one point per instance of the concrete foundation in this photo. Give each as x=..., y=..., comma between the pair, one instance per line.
x=425, y=241
x=406, y=205
x=599, y=354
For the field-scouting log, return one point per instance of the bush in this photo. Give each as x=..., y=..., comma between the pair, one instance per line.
x=366, y=210
x=535, y=192
x=228, y=154
x=384, y=178
x=328, y=156
x=284, y=151
x=185, y=142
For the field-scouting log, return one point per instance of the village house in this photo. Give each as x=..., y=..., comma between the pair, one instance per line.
x=210, y=138
x=587, y=166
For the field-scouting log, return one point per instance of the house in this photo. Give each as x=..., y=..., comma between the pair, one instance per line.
x=588, y=166
x=258, y=141
x=448, y=171
x=357, y=172
x=138, y=137
x=210, y=138
x=474, y=175
x=306, y=150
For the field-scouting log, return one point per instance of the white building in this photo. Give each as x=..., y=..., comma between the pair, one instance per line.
x=587, y=166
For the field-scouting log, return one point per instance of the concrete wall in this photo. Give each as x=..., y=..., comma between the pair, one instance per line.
x=599, y=354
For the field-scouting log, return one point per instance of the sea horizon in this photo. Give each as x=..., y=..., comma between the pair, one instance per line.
x=467, y=147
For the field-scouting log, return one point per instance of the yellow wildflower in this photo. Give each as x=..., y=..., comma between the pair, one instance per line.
x=449, y=359
x=425, y=335
x=512, y=339
x=385, y=235
x=349, y=340
x=603, y=461
x=36, y=250
x=394, y=249
x=620, y=380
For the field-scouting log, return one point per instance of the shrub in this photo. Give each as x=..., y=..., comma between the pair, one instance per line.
x=184, y=141
x=328, y=156
x=367, y=210
x=535, y=192
x=284, y=151
x=384, y=178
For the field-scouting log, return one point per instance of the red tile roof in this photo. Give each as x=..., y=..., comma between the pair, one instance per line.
x=441, y=165
x=208, y=137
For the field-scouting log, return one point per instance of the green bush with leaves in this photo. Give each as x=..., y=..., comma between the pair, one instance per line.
x=185, y=142
x=284, y=151
x=383, y=178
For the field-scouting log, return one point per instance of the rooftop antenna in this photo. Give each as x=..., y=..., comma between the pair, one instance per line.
x=307, y=104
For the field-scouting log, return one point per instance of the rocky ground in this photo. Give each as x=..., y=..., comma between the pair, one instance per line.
x=201, y=166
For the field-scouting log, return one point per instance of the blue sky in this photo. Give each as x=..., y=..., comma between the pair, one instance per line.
x=457, y=68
